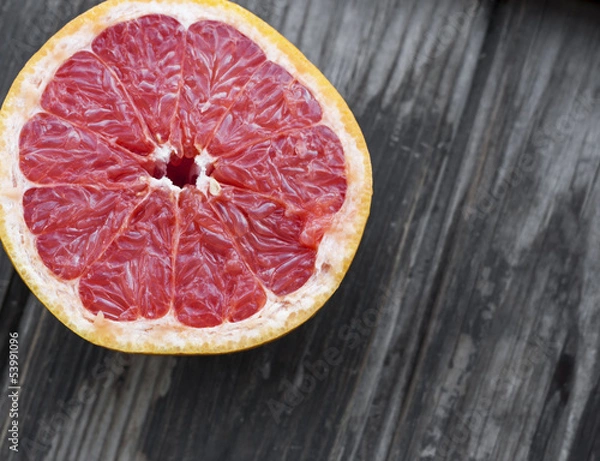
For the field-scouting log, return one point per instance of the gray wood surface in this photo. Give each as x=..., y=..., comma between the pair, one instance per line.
x=468, y=327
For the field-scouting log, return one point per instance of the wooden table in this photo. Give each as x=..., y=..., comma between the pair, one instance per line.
x=468, y=327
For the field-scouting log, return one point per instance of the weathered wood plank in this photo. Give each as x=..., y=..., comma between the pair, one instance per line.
x=468, y=326
x=506, y=321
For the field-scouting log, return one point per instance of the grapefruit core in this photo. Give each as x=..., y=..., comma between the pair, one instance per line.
x=176, y=177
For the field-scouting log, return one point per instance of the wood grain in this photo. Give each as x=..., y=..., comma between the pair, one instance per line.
x=468, y=327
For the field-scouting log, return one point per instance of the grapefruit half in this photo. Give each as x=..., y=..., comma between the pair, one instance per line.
x=176, y=177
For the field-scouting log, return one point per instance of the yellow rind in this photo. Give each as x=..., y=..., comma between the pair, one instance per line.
x=113, y=335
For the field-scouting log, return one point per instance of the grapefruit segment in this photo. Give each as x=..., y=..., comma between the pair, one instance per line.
x=85, y=92
x=268, y=237
x=134, y=276
x=218, y=63
x=272, y=102
x=304, y=168
x=213, y=282
x=53, y=151
x=75, y=224
x=146, y=55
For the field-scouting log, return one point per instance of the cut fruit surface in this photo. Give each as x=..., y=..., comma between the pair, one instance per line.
x=177, y=178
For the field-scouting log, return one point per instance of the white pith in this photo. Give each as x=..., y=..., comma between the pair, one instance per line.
x=205, y=183
x=144, y=335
